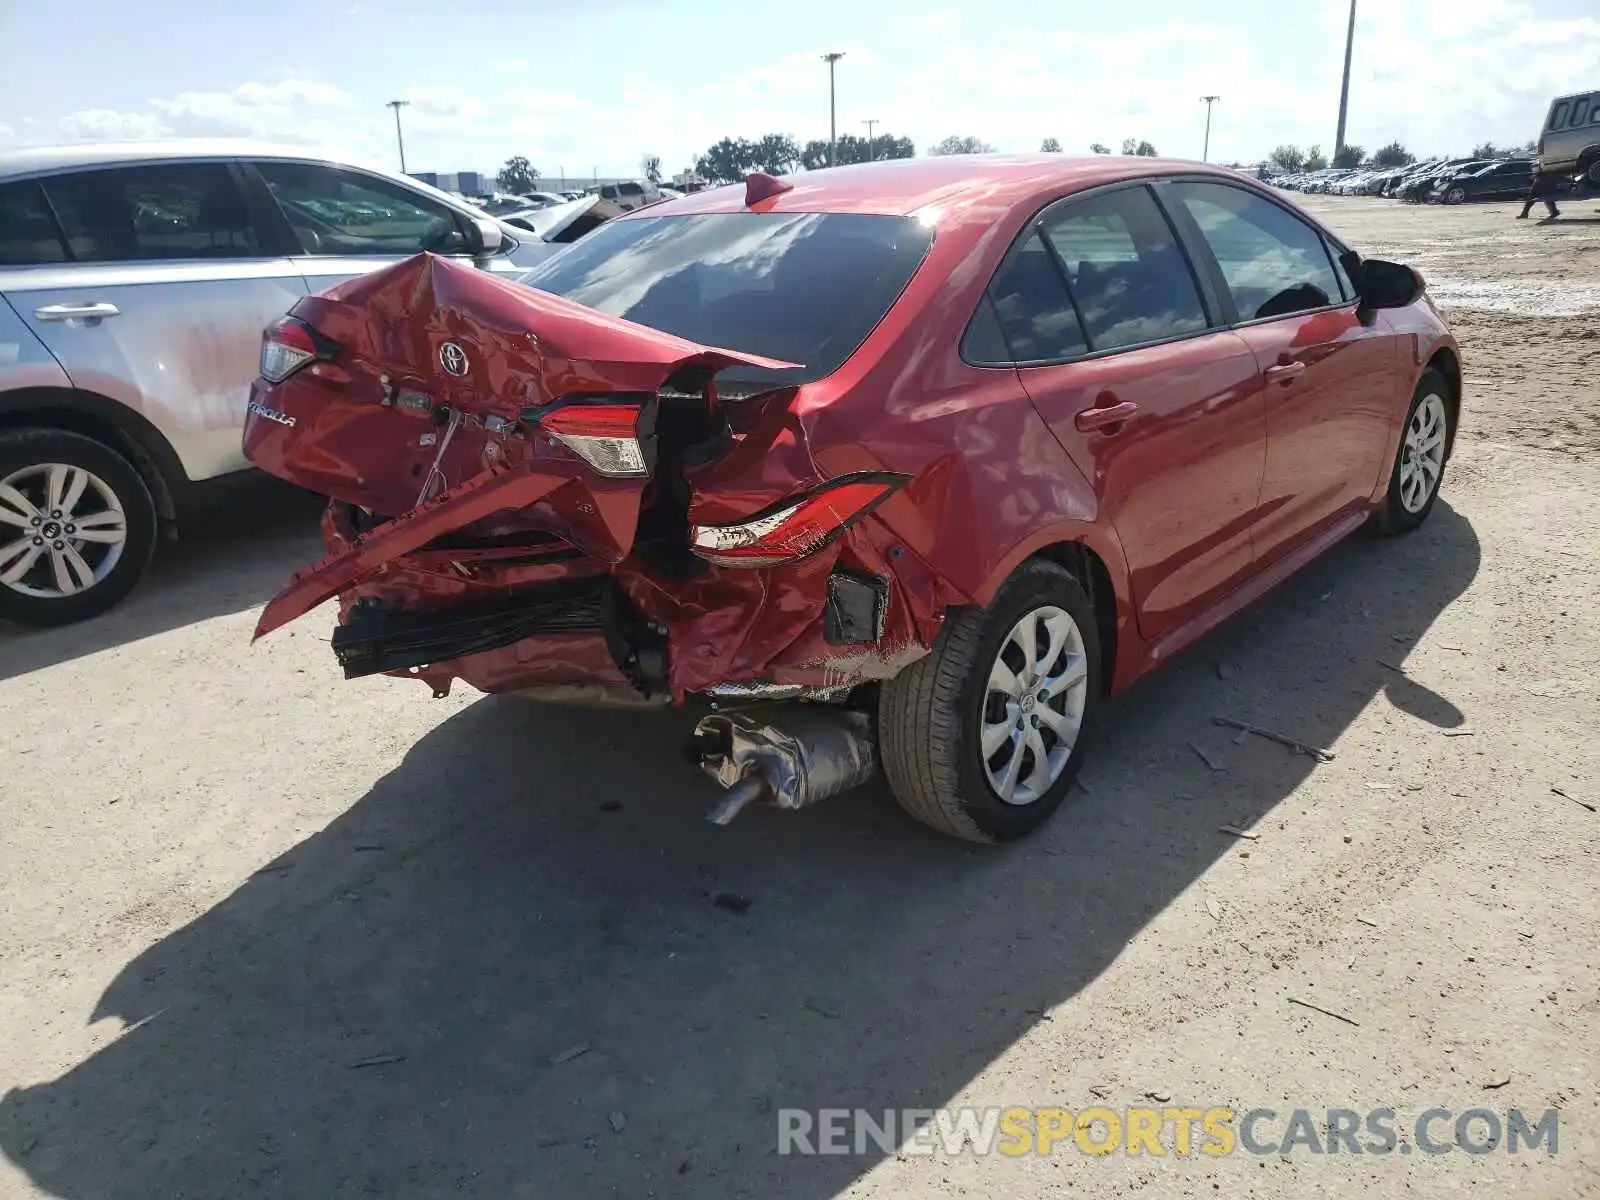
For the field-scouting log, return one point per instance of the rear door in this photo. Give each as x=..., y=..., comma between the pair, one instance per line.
x=164, y=283
x=1331, y=377
x=1161, y=410
x=347, y=222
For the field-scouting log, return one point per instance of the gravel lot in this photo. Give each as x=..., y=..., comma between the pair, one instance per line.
x=266, y=933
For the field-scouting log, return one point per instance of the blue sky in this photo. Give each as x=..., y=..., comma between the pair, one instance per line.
x=596, y=84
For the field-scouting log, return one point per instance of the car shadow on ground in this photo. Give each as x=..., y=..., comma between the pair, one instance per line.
x=515, y=967
x=238, y=546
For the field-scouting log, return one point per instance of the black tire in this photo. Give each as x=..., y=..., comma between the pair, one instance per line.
x=1395, y=518
x=21, y=449
x=1456, y=195
x=930, y=715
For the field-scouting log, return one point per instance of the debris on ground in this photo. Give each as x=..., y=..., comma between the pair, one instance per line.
x=610, y=806
x=1206, y=758
x=380, y=1060
x=1294, y=744
x=1574, y=799
x=1367, y=921
x=1214, y=909
x=1158, y=1097
x=1459, y=733
x=1496, y=1084
x=1327, y=1012
x=570, y=1053
x=821, y=1009
x=619, y=1122
x=1384, y=662
x=1235, y=831
x=730, y=902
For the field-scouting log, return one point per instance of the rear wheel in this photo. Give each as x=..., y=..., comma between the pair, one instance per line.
x=982, y=738
x=1455, y=195
x=77, y=527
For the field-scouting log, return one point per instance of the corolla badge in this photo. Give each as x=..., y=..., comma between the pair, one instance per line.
x=453, y=359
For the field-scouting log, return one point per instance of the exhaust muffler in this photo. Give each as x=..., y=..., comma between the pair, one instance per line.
x=788, y=757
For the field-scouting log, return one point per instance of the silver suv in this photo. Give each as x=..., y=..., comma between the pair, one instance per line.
x=135, y=281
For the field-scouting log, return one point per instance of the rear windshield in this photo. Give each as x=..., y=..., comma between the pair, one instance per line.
x=803, y=287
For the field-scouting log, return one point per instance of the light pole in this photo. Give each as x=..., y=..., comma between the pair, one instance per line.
x=1205, y=155
x=1344, y=90
x=871, y=156
x=830, y=58
x=397, y=105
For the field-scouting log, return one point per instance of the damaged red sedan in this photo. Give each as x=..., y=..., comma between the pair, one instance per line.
x=948, y=448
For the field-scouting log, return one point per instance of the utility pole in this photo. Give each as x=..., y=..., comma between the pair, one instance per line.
x=397, y=105
x=871, y=154
x=830, y=58
x=1205, y=155
x=1344, y=91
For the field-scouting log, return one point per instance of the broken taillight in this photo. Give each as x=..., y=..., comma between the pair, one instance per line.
x=607, y=436
x=792, y=529
x=287, y=345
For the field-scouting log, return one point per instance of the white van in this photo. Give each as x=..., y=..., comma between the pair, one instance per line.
x=1570, y=143
x=630, y=194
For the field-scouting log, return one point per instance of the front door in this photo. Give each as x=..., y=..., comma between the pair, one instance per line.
x=1328, y=373
x=1159, y=409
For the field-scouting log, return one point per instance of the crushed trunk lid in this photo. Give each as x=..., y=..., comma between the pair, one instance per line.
x=432, y=392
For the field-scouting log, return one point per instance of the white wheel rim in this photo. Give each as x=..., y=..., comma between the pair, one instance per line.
x=1422, y=455
x=62, y=530
x=1033, y=705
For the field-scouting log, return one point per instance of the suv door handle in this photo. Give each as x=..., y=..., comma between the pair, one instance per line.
x=76, y=312
x=1101, y=416
x=1285, y=372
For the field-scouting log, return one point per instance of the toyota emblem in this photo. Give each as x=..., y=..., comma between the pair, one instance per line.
x=453, y=359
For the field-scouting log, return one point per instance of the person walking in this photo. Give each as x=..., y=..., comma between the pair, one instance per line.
x=1543, y=187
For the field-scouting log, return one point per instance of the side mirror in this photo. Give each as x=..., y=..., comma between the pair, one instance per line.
x=1381, y=284
x=483, y=237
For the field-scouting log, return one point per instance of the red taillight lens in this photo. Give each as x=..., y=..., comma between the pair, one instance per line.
x=606, y=436
x=795, y=528
x=286, y=346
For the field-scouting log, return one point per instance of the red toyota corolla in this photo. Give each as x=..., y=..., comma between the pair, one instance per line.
x=937, y=453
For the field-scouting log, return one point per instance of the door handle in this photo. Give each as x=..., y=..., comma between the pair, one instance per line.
x=1100, y=416
x=76, y=312
x=1285, y=372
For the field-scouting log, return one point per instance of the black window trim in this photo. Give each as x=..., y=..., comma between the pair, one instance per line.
x=1210, y=303
x=1191, y=232
x=43, y=195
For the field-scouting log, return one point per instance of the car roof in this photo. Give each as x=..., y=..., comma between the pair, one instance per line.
x=957, y=184
x=41, y=159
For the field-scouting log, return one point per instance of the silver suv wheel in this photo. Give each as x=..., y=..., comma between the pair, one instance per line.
x=67, y=530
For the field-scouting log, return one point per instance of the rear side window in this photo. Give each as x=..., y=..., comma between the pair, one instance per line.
x=631, y=189
x=608, y=192
x=335, y=212
x=803, y=287
x=1036, y=314
x=1273, y=262
x=28, y=233
x=1125, y=268
x=151, y=213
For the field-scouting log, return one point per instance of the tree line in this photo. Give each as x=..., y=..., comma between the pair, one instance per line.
x=731, y=159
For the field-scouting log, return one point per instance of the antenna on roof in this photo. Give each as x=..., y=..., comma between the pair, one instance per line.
x=759, y=186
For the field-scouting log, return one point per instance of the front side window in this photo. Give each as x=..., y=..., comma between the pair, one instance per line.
x=806, y=288
x=28, y=235
x=337, y=212
x=1125, y=268
x=1273, y=262
x=156, y=212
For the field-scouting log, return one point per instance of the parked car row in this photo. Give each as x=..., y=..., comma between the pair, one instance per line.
x=1436, y=181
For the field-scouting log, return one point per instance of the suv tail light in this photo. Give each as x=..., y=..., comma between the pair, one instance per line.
x=793, y=529
x=606, y=435
x=289, y=344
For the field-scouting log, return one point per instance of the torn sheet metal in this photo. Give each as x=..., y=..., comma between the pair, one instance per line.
x=790, y=758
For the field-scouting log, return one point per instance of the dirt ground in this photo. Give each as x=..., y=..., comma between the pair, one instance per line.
x=267, y=933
